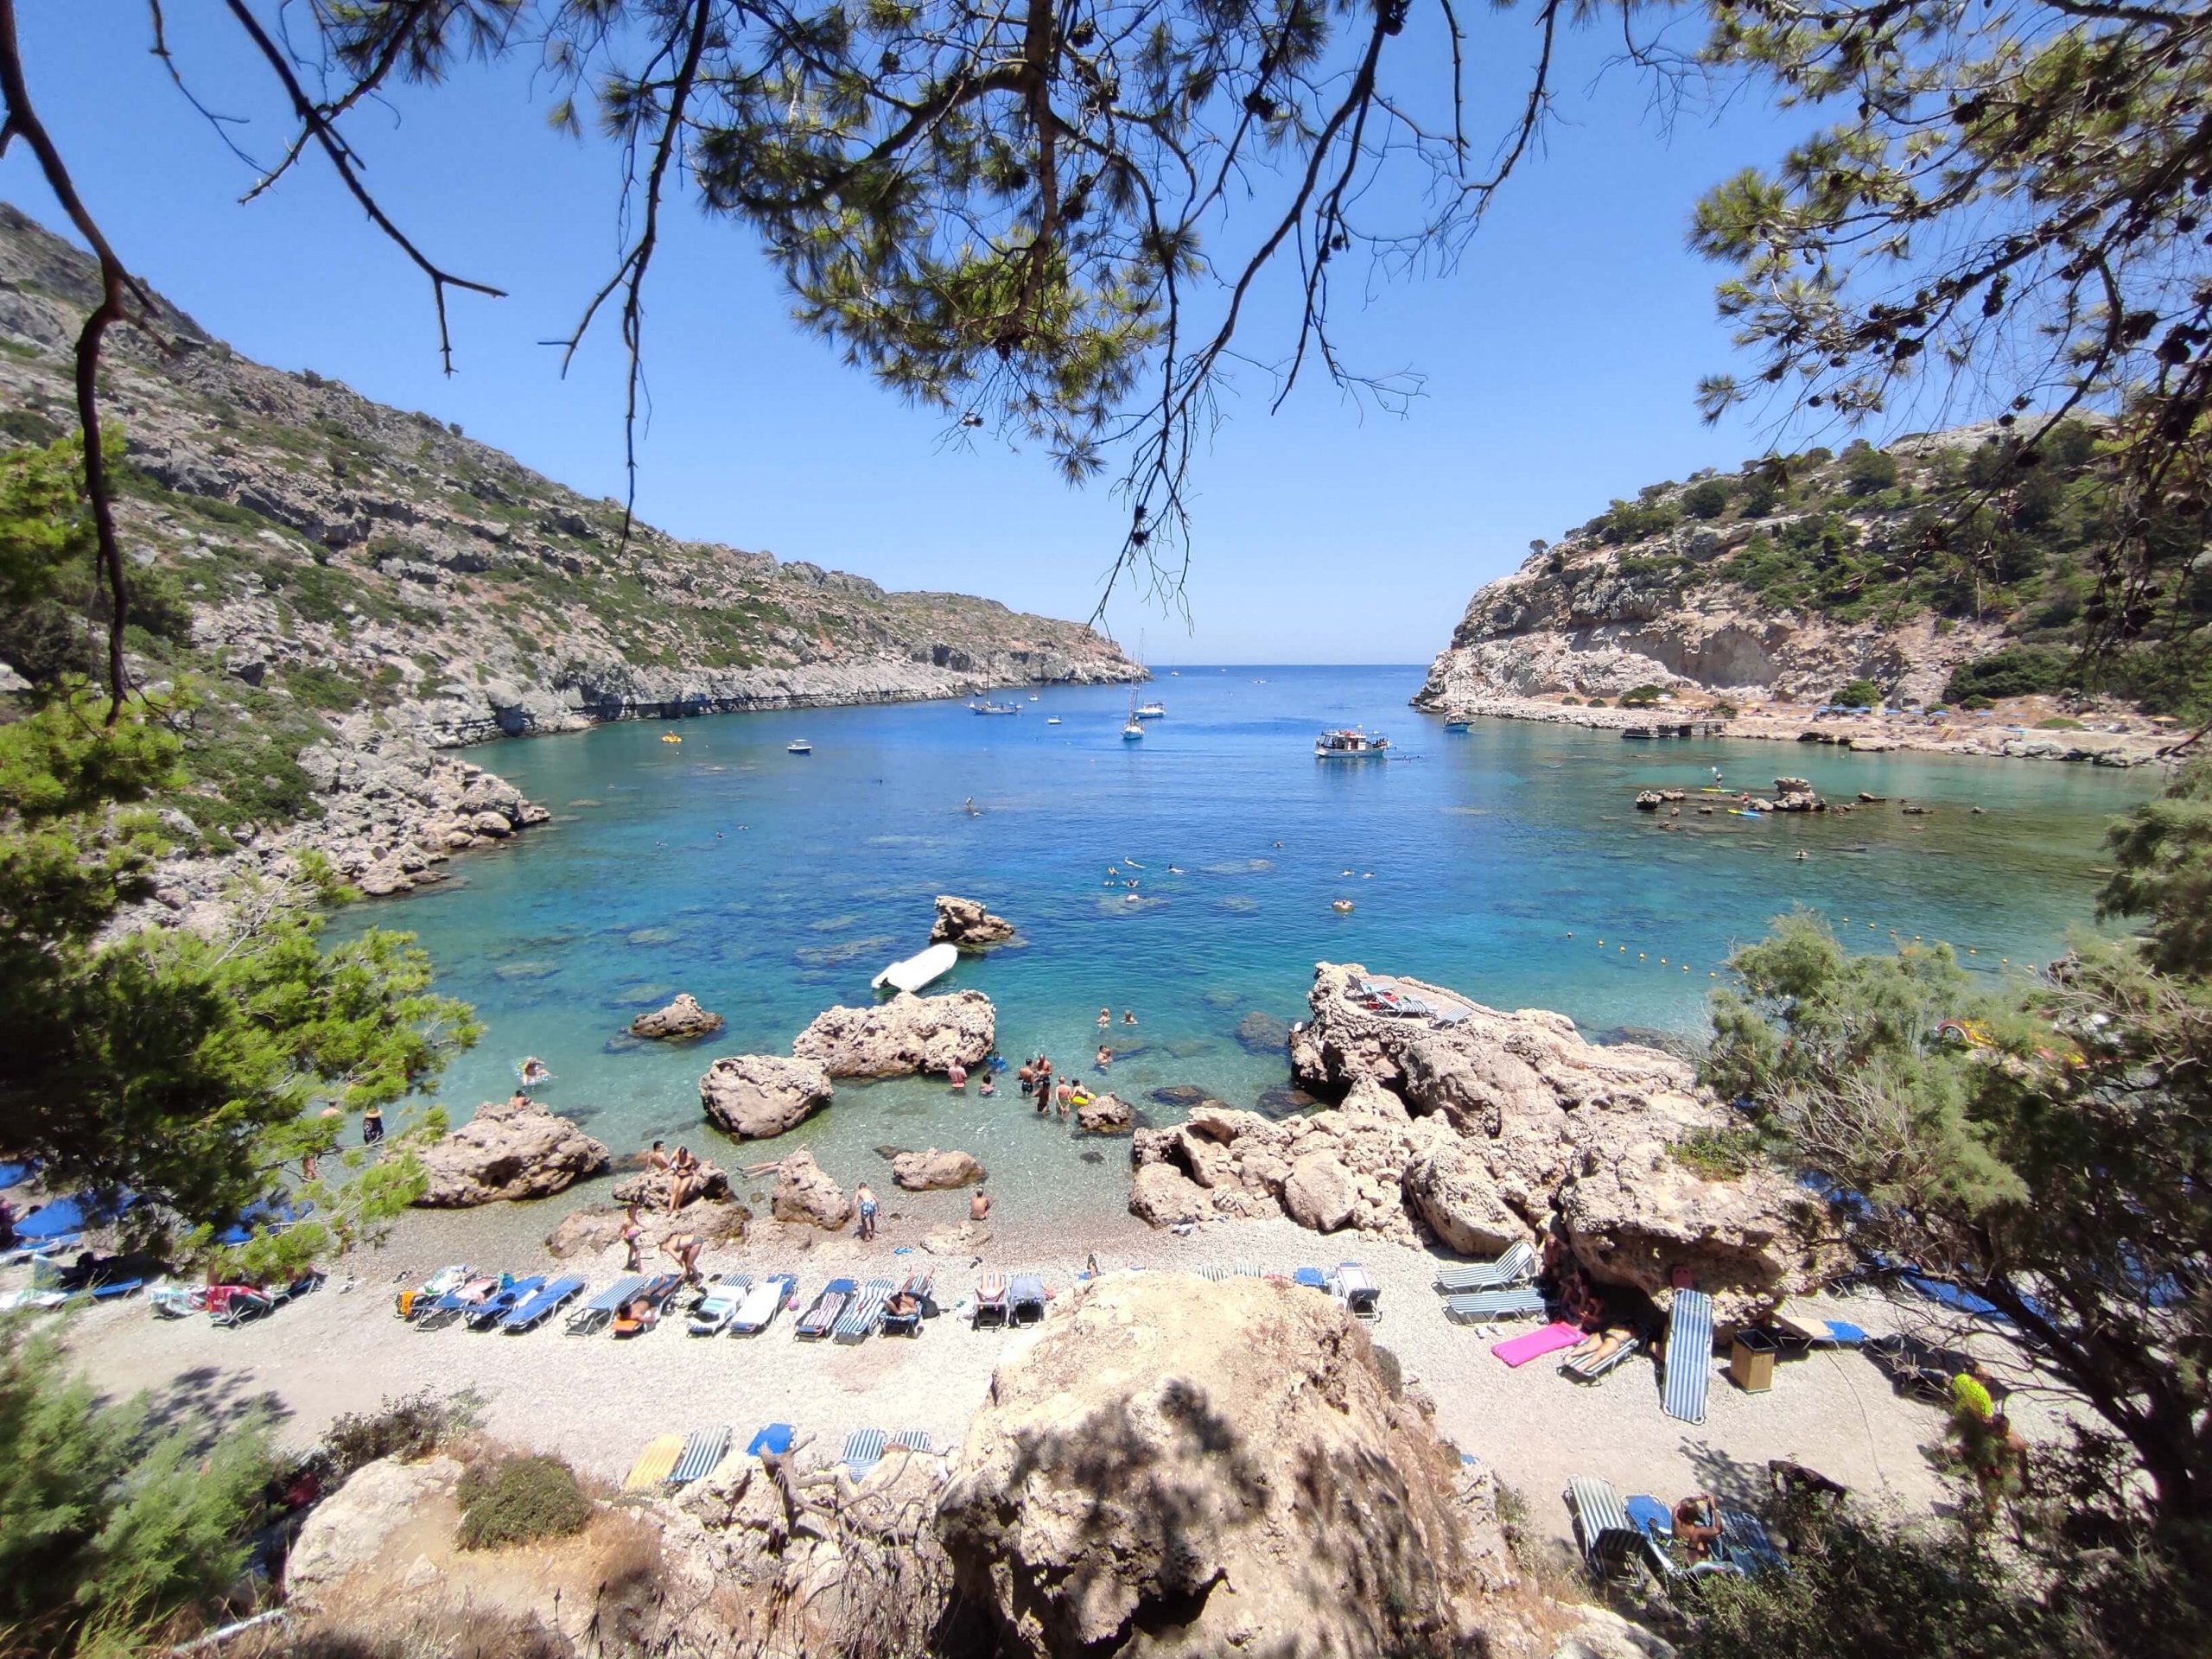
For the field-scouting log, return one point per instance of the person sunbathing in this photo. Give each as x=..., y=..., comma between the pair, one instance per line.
x=1697, y=1524
x=1599, y=1345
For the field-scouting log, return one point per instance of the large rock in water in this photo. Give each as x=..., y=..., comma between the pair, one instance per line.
x=926, y=1172
x=805, y=1192
x=682, y=1019
x=968, y=925
x=755, y=1095
x=1181, y=1470
x=508, y=1151
x=896, y=1039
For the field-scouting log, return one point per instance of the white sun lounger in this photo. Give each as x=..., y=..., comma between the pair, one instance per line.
x=1517, y=1266
x=760, y=1305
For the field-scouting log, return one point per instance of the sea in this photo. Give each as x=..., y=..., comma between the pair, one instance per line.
x=1192, y=879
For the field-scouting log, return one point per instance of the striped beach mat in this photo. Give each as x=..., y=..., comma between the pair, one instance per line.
x=1516, y=1266
x=1478, y=1307
x=915, y=1440
x=865, y=1313
x=701, y=1452
x=654, y=1463
x=864, y=1450
x=1689, y=1356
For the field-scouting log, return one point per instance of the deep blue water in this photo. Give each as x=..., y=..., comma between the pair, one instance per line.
x=1495, y=862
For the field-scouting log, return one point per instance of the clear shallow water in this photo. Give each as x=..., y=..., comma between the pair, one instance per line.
x=771, y=886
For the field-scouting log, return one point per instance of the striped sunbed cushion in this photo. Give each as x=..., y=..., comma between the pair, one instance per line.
x=654, y=1463
x=1027, y=1290
x=615, y=1294
x=1689, y=1356
x=1479, y=1305
x=1516, y=1265
x=1215, y=1273
x=915, y=1440
x=701, y=1452
x=865, y=1313
x=546, y=1302
x=864, y=1450
x=1591, y=1370
x=1601, y=1521
x=991, y=1288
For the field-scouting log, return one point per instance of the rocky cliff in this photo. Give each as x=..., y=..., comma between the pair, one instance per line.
x=1789, y=581
x=349, y=589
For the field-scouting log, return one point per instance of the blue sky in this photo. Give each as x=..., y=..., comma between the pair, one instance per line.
x=1559, y=357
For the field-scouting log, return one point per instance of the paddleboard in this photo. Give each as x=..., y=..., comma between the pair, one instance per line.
x=918, y=971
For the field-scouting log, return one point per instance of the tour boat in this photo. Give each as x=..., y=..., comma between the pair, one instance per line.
x=799, y=746
x=1350, y=744
x=1150, y=711
x=1455, y=725
x=987, y=707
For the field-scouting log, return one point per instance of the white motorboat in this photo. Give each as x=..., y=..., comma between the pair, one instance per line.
x=799, y=746
x=918, y=971
x=1051, y=719
x=1151, y=711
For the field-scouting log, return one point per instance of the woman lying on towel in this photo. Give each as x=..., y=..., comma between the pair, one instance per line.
x=641, y=1315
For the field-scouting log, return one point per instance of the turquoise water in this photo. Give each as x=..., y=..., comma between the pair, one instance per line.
x=771, y=886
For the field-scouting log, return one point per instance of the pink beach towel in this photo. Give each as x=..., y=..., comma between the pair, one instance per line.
x=1519, y=1350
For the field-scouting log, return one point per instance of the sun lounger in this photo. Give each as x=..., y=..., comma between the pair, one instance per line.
x=1355, y=1288
x=1612, y=1543
x=915, y=1440
x=909, y=1324
x=600, y=1308
x=1311, y=1278
x=1592, y=1369
x=44, y=1250
x=655, y=1294
x=1535, y=1344
x=179, y=1301
x=32, y=1296
x=718, y=1305
x=991, y=1300
x=654, y=1464
x=115, y=1289
x=1517, y=1266
x=511, y=1295
x=1912, y=1367
x=233, y=1305
x=821, y=1319
x=1744, y=1540
x=413, y=1303
x=460, y=1302
x=863, y=1451
x=1689, y=1356
x=776, y=1438
x=864, y=1313
x=1025, y=1299
x=550, y=1300
x=310, y=1280
x=1801, y=1331
x=703, y=1452
x=1481, y=1307
x=762, y=1303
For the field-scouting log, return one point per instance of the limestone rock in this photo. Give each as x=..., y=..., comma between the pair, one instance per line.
x=805, y=1192
x=599, y=1227
x=1262, y=1034
x=1179, y=1470
x=680, y=1020
x=755, y=1095
x=347, y=1531
x=965, y=923
x=1318, y=1193
x=1163, y=1196
x=508, y=1151
x=649, y=1188
x=1459, y=1203
x=905, y=1035
x=1105, y=1114
x=926, y=1172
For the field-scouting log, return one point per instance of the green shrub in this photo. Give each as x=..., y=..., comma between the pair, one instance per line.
x=406, y=1426
x=1975, y=702
x=1640, y=696
x=1868, y=471
x=2059, y=723
x=1708, y=499
x=1596, y=702
x=520, y=1501
x=1570, y=703
x=1717, y=1154
x=2015, y=671
x=1857, y=694
x=1727, y=710
x=1634, y=521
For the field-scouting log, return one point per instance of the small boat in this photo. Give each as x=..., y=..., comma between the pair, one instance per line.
x=1151, y=711
x=1350, y=744
x=918, y=971
x=1032, y=696
x=1455, y=725
x=986, y=707
x=1051, y=719
x=670, y=737
x=799, y=746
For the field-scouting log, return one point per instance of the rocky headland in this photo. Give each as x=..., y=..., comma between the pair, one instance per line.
x=350, y=590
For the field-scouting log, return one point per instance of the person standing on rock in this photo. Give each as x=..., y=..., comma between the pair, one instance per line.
x=864, y=1196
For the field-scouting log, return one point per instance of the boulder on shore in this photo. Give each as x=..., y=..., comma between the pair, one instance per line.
x=597, y=1227
x=927, y=1171
x=681, y=1020
x=1105, y=1114
x=964, y=923
x=896, y=1039
x=1180, y=1468
x=508, y=1150
x=805, y=1192
x=649, y=1188
x=755, y=1095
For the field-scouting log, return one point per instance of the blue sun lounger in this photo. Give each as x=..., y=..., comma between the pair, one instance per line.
x=1311, y=1278
x=1744, y=1537
x=550, y=1300
x=703, y=1452
x=1025, y=1299
x=776, y=1438
x=864, y=1313
x=829, y=1307
x=595, y=1314
x=917, y=1285
x=1480, y=1307
x=511, y=1295
x=718, y=1305
x=1517, y=1266
x=1689, y=1356
x=863, y=1451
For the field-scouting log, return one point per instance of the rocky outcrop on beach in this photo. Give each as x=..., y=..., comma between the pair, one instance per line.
x=1183, y=1469
x=807, y=1194
x=1478, y=1129
x=934, y=1171
x=510, y=1150
x=683, y=1018
x=897, y=1038
x=650, y=1189
x=753, y=1096
x=965, y=923
x=352, y=588
x=1105, y=1114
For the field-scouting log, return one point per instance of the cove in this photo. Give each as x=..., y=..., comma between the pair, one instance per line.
x=772, y=886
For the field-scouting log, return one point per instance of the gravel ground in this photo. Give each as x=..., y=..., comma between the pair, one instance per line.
x=596, y=1400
